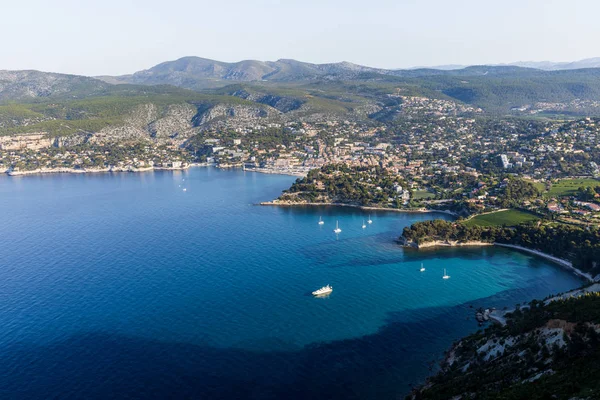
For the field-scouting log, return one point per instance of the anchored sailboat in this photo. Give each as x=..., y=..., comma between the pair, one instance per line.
x=321, y=222
x=337, y=228
x=363, y=225
x=422, y=268
x=446, y=276
x=369, y=221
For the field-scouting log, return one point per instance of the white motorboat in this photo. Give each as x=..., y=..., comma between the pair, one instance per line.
x=324, y=290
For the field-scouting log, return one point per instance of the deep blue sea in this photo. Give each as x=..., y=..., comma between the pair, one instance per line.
x=127, y=286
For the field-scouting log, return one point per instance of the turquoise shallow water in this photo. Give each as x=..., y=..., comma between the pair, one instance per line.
x=124, y=285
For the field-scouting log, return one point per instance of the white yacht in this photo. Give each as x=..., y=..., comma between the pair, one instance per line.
x=324, y=290
x=422, y=268
x=363, y=225
x=337, y=228
x=369, y=221
x=184, y=189
x=321, y=222
x=446, y=276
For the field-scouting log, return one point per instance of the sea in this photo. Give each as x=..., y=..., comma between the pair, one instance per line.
x=178, y=285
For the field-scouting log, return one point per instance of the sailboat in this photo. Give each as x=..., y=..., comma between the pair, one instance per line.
x=446, y=276
x=321, y=222
x=337, y=228
x=422, y=268
x=369, y=221
x=363, y=225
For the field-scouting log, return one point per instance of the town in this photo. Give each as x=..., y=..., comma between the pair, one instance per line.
x=448, y=155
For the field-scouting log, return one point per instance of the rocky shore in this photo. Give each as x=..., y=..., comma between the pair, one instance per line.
x=443, y=243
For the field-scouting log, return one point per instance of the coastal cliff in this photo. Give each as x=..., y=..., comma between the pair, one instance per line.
x=443, y=243
x=538, y=350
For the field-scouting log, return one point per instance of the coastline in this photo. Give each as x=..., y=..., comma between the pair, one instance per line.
x=278, y=203
x=43, y=171
x=275, y=172
x=568, y=265
x=69, y=170
x=564, y=263
x=446, y=243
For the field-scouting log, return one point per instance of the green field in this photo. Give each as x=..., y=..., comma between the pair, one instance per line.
x=508, y=217
x=568, y=187
x=422, y=195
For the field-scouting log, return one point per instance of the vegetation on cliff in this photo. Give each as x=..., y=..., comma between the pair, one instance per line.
x=548, y=350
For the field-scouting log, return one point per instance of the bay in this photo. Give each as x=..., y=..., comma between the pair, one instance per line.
x=125, y=285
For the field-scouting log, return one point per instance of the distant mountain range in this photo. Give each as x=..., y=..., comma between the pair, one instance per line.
x=543, y=65
x=293, y=86
x=201, y=73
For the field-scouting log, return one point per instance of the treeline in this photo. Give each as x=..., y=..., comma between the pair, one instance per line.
x=516, y=191
x=580, y=246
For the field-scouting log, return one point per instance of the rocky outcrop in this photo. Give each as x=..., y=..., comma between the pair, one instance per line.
x=542, y=350
x=149, y=123
x=444, y=243
x=176, y=124
x=125, y=133
x=240, y=113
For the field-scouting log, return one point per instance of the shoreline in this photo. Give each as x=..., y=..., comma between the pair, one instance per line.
x=568, y=265
x=440, y=243
x=564, y=263
x=276, y=203
x=66, y=170
x=275, y=172
x=69, y=170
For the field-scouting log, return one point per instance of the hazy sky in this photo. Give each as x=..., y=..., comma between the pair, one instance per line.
x=124, y=36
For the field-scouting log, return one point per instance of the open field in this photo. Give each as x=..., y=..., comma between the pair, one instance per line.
x=508, y=217
x=422, y=195
x=568, y=187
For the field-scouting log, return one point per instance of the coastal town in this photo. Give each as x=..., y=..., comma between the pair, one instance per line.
x=293, y=200
x=444, y=152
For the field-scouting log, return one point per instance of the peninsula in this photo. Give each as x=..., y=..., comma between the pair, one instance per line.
x=570, y=246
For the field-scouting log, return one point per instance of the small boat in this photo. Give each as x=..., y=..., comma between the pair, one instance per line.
x=324, y=290
x=363, y=225
x=422, y=268
x=184, y=189
x=369, y=221
x=321, y=222
x=446, y=276
x=337, y=228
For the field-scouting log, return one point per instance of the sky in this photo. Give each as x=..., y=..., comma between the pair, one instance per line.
x=114, y=37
